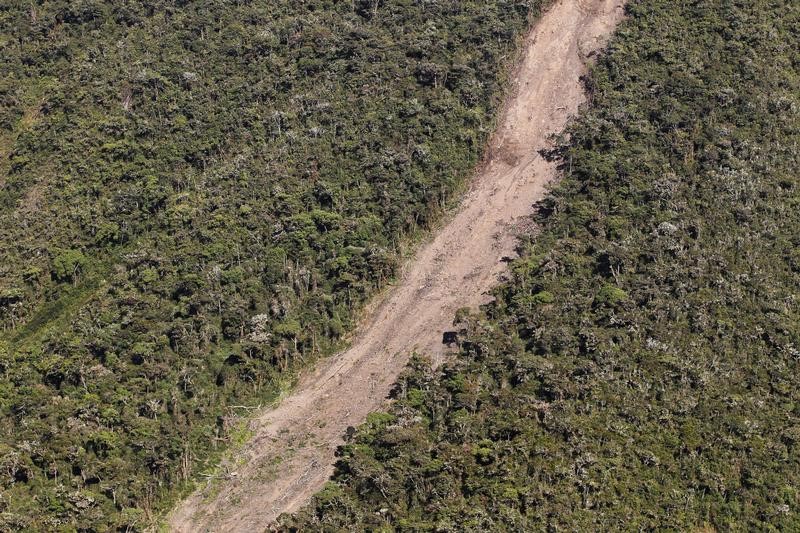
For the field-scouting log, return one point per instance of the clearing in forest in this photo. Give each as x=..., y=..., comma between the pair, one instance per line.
x=291, y=454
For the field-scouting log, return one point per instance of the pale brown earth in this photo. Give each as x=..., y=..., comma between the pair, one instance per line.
x=291, y=455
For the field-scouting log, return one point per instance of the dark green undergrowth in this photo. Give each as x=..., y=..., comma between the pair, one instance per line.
x=640, y=371
x=196, y=199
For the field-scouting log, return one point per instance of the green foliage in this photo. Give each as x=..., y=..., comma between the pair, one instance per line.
x=610, y=296
x=658, y=388
x=195, y=199
x=67, y=265
x=544, y=297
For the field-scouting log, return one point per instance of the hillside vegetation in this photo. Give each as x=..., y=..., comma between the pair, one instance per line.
x=640, y=369
x=195, y=199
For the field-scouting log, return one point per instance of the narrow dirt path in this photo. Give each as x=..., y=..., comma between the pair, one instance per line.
x=292, y=453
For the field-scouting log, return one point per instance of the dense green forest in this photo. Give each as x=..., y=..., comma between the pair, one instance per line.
x=195, y=199
x=640, y=370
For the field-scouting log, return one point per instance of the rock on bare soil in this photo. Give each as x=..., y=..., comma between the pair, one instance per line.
x=291, y=455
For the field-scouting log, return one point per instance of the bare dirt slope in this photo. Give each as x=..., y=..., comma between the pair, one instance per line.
x=292, y=453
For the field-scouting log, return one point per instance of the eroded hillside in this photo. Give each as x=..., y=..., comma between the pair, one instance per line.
x=640, y=369
x=197, y=198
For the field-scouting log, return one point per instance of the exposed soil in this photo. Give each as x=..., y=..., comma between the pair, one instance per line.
x=291, y=455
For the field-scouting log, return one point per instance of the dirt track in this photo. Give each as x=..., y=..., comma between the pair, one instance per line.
x=292, y=453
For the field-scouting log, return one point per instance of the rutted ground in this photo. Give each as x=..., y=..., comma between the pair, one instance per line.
x=291, y=454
